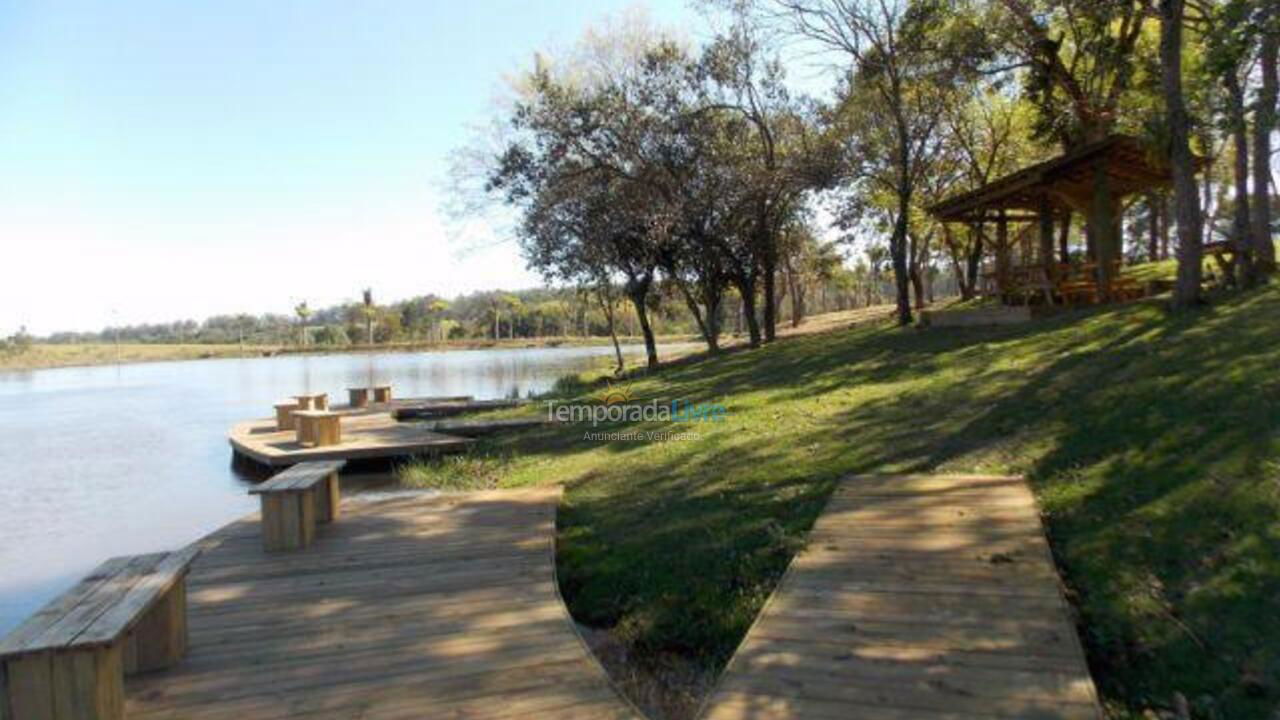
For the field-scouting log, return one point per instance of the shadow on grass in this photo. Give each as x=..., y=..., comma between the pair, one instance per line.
x=1152, y=442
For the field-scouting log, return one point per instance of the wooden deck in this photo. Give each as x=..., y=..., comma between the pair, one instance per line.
x=408, y=607
x=927, y=597
x=376, y=435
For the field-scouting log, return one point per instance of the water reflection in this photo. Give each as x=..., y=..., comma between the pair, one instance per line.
x=111, y=460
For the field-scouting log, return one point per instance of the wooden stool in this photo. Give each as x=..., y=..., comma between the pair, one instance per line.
x=69, y=660
x=284, y=415
x=318, y=428
x=313, y=401
x=382, y=393
x=295, y=500
x=358, y=397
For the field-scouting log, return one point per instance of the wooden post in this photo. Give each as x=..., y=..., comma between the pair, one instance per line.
x=382, y=394
x=327, y=498
x=1103, y=218
x=1002, y=254
x=288, y=520
x=306, y=430
x=358, y=397
x=304, y=401
x=159, y=640
x=322, y=401
x=1046, y=235
x=284, y=416
x=81, y=684
x=326, y=431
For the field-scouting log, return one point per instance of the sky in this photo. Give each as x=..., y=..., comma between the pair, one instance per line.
x=175, y=160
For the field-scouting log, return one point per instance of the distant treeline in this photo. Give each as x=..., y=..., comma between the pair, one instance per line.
x=536, y=313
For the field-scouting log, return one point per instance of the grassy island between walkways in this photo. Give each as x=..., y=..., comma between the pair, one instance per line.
x=1151, y=441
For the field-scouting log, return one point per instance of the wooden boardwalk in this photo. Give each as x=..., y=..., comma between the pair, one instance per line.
x=406, y=607
x=928, y=597
x=364, y=436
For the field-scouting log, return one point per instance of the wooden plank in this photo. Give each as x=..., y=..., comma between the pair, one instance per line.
x=21, y=638
x=299, y=476
x=446, y=603
x=919, y=596
x=30, y=684
x=375, y=435
x=68, y=628
x=159, y=639
x=145, y=592
x=88, y=684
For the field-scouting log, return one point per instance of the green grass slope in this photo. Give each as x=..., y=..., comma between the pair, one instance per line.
x=1153, y=443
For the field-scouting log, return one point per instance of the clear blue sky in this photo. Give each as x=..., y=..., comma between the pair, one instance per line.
x=166, y=160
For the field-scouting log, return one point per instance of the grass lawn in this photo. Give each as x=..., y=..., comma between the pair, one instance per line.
x=1153, y=443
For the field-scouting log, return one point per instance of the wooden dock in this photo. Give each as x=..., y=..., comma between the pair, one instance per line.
x=408, y=607
x=364, y=437
x=917, y=597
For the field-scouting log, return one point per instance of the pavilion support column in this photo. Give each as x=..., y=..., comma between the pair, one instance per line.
x=1002, y=253
x=1064, y=237
x=1104, y=219
x=1045, y=216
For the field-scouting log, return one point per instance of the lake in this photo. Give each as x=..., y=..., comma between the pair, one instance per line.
x=115, y=460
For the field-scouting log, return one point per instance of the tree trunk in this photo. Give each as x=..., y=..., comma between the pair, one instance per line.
x=898, y=253
x=1263, y=124
x=705, y=327
x=642, y=314
x=747, y=293
x=1187, y=290
x=1240, y=227
x=769, y=269
x=796, y=286
x=975, y=259
x=1164, y=226
x=606, y=306
x=1153, y=227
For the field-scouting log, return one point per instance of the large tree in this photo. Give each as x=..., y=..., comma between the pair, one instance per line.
x=1264, y=124
x=904, y=55
x=1082, y=58
x=1178, y=126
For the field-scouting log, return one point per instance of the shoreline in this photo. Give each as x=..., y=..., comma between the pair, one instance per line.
x=46, y=356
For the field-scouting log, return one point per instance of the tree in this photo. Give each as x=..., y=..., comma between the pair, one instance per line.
x=1081, y=55
x=304, y=313
x=436, y=309
x=1187, y=200
x=1228, y=56
x=1264, y=124
x=771, y=154
x=906, y=56
x=369, y=312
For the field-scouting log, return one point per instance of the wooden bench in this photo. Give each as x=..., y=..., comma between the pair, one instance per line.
x=358, y=397
x=284, y=415
x=295, y=500
x=69, y=660
x=318, y=428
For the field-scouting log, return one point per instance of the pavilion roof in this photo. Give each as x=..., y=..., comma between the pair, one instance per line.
x=1067, y=181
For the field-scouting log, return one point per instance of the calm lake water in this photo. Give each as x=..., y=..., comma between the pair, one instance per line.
x=105, y=461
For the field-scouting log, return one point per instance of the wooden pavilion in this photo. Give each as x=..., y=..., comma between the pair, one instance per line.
x=1093, y=180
